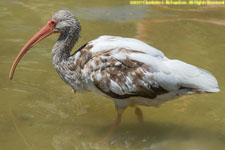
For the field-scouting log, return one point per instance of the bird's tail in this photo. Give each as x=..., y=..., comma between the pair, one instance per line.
x=193, y=77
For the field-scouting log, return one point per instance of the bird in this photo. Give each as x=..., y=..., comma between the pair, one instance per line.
x=127, y=70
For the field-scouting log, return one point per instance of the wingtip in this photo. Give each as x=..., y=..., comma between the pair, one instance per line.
x=216, y=90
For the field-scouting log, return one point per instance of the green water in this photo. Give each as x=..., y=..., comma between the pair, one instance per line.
x=38, y=111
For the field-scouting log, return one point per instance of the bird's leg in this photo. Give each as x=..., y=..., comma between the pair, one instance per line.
x=139, y=114
x=115, y=125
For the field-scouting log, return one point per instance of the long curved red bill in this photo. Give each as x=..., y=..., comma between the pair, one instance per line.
x=43, y=33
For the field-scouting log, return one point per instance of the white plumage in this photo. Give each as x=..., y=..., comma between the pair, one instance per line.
x=107, y=42
x=170, y=74
x=131, y=70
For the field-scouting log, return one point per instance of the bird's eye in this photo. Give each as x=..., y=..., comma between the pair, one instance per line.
x=53, y=22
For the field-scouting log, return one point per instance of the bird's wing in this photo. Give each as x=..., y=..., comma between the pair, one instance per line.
x=117, y=75
x=125, y=67
x=110, y=63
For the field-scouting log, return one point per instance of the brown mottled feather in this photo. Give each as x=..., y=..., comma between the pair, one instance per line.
x=120, y=71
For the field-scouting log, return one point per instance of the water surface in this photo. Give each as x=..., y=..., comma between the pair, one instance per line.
x=39, y=111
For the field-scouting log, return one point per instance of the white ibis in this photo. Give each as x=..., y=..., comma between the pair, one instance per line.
x=127, y=70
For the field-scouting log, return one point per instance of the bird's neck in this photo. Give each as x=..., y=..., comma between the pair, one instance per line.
x=62, y=63
x=62, y=48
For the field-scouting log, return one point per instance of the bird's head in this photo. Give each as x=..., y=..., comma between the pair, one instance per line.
x=62, y=22
x=65, y=22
